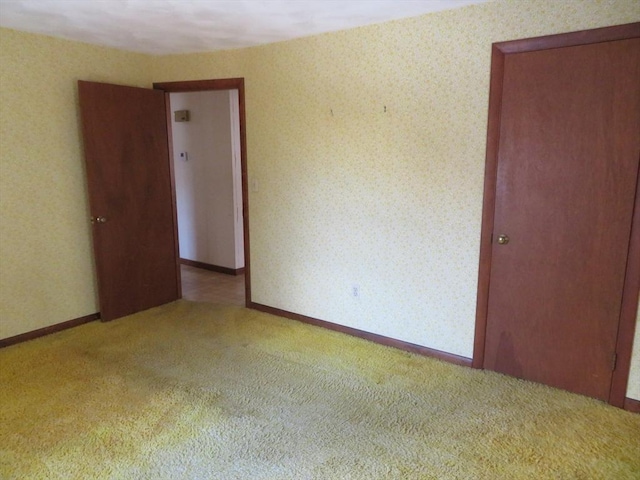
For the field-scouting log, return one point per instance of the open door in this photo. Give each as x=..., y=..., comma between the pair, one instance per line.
x=130, y=197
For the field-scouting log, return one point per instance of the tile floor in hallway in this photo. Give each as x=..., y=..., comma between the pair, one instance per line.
x=203, y=285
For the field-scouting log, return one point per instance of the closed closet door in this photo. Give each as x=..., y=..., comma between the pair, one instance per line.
x=566, y=182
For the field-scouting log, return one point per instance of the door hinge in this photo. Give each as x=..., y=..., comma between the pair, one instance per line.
x=614, y=361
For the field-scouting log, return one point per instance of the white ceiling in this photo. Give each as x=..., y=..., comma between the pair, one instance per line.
x=182, y=26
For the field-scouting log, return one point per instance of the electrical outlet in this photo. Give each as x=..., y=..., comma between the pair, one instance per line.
x=355, y=291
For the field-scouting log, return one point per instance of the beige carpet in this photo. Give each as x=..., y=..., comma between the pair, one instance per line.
x=195, y=391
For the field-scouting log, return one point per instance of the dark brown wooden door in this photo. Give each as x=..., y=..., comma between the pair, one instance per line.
x=569, y=146
x=130, y=196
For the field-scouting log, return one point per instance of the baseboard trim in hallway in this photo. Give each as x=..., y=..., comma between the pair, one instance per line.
x=41, y=332
x=213, y=268
x=373, y=337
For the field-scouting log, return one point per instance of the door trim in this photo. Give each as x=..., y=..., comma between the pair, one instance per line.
x=624, y=342
x=220, y=84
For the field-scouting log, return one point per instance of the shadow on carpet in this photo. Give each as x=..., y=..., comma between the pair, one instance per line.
x=198, y=391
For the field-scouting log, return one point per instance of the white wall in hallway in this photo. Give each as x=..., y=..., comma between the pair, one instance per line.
x=208, y=189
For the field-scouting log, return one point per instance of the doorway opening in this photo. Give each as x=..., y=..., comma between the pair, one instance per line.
x=206, y=122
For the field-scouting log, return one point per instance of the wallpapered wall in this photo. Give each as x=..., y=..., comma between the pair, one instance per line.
x=46, y=269
x=368, y=149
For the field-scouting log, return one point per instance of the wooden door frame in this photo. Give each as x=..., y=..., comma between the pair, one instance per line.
x=212, y=85
x=624, y=341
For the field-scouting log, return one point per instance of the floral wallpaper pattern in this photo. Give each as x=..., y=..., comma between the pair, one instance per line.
x=46, y=265
x=368, y=148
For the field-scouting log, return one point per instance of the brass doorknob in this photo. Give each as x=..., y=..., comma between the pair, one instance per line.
x=503, y=239
x=99, y=220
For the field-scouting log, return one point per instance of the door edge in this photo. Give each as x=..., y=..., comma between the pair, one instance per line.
x=628, y=309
